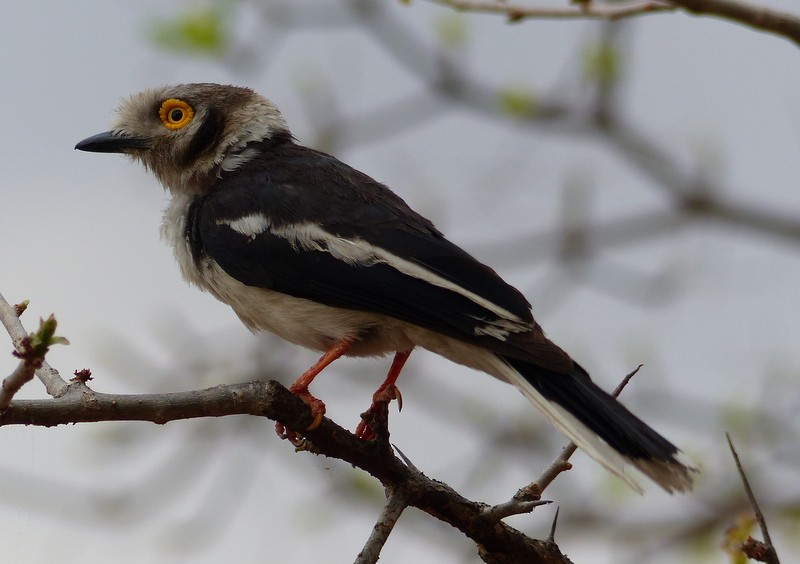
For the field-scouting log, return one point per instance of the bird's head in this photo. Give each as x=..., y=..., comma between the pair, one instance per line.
x=189, y=133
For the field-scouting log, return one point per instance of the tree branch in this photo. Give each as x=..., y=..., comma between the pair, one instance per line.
x=80, y=404
x=497, y=542
x=395, y=505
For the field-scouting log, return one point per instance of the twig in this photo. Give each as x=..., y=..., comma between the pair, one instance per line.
x=12, y=383
x=534, y=490
x=513, y=506
x=395, y=505
x=621, y=386
x=560, y=464
x=516, y=12
x=32, y=358
x=10, y=320
x=54, y=384
x=32, y=351
x=764, y=552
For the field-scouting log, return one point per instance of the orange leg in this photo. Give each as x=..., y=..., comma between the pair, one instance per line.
x=300, y=387
x=384, y=394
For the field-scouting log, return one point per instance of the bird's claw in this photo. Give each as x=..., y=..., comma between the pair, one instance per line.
x=363, y=430
x=293, y=437
x=380, y=401
x=386, y=395
x=317, y=407
x=318, y=417
x=399, y=397
x=282, y=431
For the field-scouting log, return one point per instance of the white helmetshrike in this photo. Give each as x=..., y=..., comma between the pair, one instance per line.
x=302, y=245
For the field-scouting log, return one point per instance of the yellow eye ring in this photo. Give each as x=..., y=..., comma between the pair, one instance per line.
x=175, y=114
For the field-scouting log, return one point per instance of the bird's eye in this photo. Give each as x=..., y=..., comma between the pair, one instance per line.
x=175, y=114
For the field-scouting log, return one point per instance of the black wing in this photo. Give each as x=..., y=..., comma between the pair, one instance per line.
x=296, y=189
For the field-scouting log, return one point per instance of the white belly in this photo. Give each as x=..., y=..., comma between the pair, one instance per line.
x=306, y=323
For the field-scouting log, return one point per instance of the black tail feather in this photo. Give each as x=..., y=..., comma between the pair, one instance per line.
x=599, y=411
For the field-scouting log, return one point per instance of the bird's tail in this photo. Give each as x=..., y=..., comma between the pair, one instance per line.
x=600, y=425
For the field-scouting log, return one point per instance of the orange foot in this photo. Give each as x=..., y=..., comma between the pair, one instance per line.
x=317, y=407
x=383, y=395
x=380, y=404
x=300, y=389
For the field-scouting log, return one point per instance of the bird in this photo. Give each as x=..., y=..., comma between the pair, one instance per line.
x=304, y=246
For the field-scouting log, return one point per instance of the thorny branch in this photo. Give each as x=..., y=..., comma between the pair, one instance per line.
x=406, y=486
x=497, y=541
